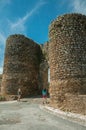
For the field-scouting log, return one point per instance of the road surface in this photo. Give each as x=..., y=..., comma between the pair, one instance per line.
x=27, y=115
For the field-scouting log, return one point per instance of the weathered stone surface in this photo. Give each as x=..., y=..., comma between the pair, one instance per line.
x=21, y=66
x=44, y=65
x=0, y=81
x=67, y=57
x=26, y=64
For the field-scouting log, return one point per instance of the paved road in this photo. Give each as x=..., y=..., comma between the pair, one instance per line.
x=28, y=116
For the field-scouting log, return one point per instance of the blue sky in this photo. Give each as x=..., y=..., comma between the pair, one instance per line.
x=32, y=18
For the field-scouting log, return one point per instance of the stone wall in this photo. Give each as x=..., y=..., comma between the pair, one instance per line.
x=67, y=57
x=0, y=81
x=21, y=66
x=43, y=70
x=26, y=64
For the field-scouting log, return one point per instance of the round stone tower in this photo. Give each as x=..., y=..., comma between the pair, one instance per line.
x=21, y=66
x=67, y=57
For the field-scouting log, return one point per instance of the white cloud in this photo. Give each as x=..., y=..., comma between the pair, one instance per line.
x=20, y=23
x=2, y=45
x=14, y=27
x=79, y=6
x=4, y=3
x=2, y=38
x=1, y=70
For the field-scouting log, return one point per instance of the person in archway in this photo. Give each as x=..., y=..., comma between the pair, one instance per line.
x=44, y=95
x=19, y=94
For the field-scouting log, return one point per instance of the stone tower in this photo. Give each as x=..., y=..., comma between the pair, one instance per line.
x=21, y=66
x=67, y=57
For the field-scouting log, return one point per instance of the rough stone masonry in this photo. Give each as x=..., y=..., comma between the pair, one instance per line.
x=26, y=64
x=21, y=66
x=67, y=57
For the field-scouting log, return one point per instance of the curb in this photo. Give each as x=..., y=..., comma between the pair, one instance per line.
x=76, y=118
x=7, y=102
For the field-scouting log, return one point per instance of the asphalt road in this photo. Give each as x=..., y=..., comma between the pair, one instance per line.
x=28, y=116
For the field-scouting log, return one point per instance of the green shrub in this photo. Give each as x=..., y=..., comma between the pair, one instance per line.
x=2, y=98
